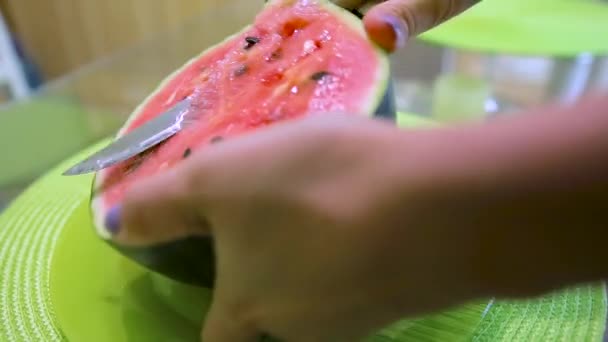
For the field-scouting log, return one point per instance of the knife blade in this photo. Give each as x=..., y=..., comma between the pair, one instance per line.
x=140, y=139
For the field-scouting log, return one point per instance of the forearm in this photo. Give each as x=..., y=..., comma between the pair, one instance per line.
x=526, y=198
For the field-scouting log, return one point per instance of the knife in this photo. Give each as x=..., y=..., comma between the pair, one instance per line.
x=140, y=139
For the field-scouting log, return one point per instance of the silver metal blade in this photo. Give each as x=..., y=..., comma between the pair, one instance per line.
x=140, y=139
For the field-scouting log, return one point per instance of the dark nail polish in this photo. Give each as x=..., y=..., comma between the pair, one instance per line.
x=113, y=220
x=400, y=30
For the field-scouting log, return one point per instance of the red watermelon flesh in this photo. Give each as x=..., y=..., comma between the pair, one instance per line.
x=298, y=57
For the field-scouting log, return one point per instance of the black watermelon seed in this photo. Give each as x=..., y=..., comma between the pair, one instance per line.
x=317, y=76
x=187, y=153
x=276, y=55
x=357, y=13
x=216, y=139
x=240, y=71
x=251, y=41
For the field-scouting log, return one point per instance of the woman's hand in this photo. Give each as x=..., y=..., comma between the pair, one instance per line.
x=304, y=218
x=311, y=227
x=329, y=228
x=390, y=23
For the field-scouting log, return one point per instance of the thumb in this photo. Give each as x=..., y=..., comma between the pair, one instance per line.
x=391, y=23
x=159, y=209
x=221, y=326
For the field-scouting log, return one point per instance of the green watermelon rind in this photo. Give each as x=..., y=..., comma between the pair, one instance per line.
x=375, y=100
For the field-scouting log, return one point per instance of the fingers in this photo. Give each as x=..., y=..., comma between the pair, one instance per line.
x=391, y=23
x=157, y=210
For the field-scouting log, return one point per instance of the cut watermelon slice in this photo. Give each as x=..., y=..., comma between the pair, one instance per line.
x=298, y=57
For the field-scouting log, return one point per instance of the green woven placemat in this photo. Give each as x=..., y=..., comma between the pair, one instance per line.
x=576, y=314
x=528, y=27
x=32, y=228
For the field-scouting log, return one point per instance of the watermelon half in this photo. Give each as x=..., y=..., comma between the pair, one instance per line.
x=297, y=57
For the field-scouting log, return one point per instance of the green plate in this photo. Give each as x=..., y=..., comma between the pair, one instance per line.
x=60, y=283
x=562, y=28
x=37, y=146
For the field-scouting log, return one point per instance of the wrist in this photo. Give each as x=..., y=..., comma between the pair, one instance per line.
x=507, y=209
x=520, y=204
x=427, y=215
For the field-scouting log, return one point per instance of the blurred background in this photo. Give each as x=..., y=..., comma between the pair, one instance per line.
x=71, y=71
x=61, y=35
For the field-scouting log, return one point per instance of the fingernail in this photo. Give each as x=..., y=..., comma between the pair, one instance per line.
x=113, y=220
x=399, y=29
